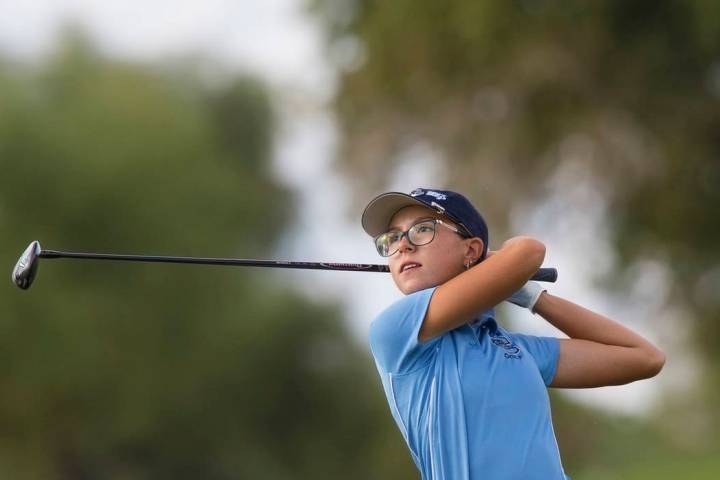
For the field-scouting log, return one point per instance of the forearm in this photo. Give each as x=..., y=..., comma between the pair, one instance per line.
x=578, y=322
x=489, y=283
x=600, y=351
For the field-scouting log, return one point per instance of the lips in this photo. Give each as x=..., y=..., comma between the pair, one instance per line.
x=409, y=266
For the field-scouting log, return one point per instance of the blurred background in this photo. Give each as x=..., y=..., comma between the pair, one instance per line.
x=260, y=130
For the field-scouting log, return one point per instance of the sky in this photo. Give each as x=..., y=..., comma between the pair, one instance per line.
x=280, y=42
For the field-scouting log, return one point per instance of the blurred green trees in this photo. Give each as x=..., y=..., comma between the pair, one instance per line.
x=510, y=92
x=120, y=371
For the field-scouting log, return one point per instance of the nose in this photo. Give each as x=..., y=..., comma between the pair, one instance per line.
x=404, y=245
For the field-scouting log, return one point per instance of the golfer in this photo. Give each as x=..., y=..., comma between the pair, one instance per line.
x=469, y=397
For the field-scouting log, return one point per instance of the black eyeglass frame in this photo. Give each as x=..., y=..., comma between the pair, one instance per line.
x=406, y=234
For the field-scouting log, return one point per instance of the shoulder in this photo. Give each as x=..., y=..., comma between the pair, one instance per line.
x=544, y=351
x=409, y=304
x=408, y=310
x=394, y=332
x=532, y=342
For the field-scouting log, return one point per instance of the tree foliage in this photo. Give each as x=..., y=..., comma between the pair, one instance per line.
x=136, y=371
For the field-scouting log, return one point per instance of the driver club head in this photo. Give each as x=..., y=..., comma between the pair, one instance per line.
x=26, y=267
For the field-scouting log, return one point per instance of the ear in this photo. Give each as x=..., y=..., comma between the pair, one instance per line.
x=473, y=250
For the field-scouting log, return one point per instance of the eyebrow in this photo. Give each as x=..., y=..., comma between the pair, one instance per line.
x=419, y=219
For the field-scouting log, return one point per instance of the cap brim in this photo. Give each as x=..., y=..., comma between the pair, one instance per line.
x=381, y=209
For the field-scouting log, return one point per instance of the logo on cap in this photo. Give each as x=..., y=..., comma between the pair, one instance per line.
x=439, y=196
x=419, y=191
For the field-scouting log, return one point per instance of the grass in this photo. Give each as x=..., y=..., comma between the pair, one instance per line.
x=691, y=468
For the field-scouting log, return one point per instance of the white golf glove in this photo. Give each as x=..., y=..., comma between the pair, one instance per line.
x=527, y=296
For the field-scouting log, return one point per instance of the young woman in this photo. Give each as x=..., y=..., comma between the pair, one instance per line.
x=469, y=397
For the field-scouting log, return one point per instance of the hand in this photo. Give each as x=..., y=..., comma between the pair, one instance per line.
x=527, y=296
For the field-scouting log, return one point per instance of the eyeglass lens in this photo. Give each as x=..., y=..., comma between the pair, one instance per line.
x=419, y=234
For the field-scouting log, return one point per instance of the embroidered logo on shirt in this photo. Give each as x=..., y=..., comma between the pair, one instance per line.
x=511, y=350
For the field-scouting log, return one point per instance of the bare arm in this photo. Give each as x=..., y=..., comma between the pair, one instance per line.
x=485, y=285
x=600, y=351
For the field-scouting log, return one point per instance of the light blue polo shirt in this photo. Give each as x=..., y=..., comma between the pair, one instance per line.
x=472, y=403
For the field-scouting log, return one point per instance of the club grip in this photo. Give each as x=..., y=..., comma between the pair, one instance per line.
x=545, y=275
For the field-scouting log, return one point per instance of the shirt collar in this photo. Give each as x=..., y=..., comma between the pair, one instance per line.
x=486, y=319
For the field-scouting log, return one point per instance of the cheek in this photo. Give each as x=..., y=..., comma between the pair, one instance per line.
x=448, y=262
x=394, y=277
x=440, y=264
x=437, y=269
x=393, y=267
x=394, y=273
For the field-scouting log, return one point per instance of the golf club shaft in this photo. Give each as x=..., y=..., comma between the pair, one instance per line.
x=217, y=261
x=543, y=275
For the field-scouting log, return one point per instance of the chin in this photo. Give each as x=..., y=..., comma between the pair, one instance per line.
x=413, y=286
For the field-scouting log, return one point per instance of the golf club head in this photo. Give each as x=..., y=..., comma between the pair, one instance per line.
x=26, y=267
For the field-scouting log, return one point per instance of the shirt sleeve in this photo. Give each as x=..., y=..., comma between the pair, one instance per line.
x=545, y=351
x=394, y=335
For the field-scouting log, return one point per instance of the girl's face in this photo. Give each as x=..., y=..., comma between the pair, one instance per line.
x=415, y=268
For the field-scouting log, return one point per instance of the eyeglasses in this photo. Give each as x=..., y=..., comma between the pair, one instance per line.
x=421, y=233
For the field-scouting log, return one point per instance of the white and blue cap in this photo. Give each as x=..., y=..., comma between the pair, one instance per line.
x=381, y=209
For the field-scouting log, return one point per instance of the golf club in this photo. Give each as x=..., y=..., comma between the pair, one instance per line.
x=25, y=270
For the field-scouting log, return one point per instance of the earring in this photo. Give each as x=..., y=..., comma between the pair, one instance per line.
x=467, y=265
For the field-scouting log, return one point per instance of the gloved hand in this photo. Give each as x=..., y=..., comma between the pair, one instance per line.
x=527, y=296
